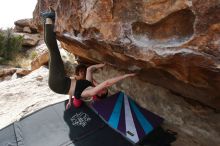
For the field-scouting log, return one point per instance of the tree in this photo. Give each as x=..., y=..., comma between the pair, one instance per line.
x=10, y=44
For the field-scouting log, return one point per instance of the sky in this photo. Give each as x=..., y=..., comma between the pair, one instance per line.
x=13, y=10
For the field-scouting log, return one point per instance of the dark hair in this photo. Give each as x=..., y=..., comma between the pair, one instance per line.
x=79, y=68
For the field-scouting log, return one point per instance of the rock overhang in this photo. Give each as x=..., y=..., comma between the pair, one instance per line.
x=169, y=43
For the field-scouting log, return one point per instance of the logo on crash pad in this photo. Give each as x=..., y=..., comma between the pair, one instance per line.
x=80, y=119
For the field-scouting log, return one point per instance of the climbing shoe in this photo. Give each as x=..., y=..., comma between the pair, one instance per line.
x=48, y=15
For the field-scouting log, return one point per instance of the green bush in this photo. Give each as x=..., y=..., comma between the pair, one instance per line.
x=33, y=55
x=10, y=44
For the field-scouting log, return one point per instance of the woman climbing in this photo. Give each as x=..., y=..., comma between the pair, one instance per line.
x=81, y=88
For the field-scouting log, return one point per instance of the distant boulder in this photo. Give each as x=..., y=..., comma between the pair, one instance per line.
x=25, y=25
x=30, y=40
x=27, y=29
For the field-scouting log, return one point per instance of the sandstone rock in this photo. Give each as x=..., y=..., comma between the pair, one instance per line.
x=174, y=44
x=9, y=72
x=27, y=29
x=197, y=125
x=40, y=60
x=23, y=72
x=22, y=96
x=29, y=40
x=14, y=76
x=22, y=23
x=18, y=29
x=6, y=72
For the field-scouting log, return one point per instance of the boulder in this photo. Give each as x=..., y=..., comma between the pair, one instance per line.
x=29, y=40
x=22, y=72
x=22, y=96
x=7, y=71
x=172, y=44
x=18, y=29
x=24, y=23
x=27, y=29
x=197, y=125
x=41, y=59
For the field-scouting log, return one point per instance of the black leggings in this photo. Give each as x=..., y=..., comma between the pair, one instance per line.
x=58, y=82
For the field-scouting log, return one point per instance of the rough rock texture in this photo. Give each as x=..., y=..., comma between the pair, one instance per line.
x=196, y=125
x=30, y=40
x=6, y=72
x=28, y=30
x=25, y=25
x=23, y=72
x=171, y=43
x=42, y=58
x=22, y=96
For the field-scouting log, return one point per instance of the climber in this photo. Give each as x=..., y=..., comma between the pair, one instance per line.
x=80, y=72
x=81, y=88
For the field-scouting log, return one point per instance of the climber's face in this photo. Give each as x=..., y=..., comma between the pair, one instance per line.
x=82, y=74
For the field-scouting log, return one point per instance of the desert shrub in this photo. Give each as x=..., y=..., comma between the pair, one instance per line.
x=1, y=42
x=33, y=55
x=10, y=44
